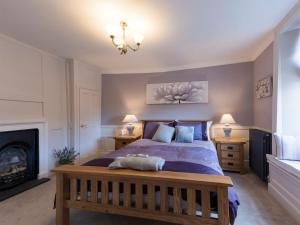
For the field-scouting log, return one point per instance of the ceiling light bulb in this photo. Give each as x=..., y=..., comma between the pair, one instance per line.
x=112, y=30
x=118, y=41
x=120, y=46
x=138, y=38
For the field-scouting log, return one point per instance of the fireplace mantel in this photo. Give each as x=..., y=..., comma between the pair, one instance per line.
x=16, y=122
x=40, y=124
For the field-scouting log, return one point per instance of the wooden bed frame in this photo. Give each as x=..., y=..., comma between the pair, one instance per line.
x=123, y=193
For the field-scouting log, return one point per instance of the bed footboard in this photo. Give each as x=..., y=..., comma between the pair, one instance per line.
x=142, y=194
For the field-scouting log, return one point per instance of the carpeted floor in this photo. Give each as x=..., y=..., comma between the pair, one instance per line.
x=34, y=207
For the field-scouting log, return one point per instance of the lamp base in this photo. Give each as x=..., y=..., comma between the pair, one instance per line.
x=130, y=129
x=227, y=132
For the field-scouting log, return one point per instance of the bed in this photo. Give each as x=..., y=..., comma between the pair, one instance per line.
x=191, y=189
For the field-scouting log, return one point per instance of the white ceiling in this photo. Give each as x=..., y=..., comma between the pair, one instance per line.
x=178, y=33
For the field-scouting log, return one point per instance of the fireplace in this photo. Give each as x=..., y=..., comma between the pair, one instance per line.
x=19, y=161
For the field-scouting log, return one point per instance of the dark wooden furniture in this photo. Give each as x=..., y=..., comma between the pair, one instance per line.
x=231, y=153
x=260, y=145
x=121, y=141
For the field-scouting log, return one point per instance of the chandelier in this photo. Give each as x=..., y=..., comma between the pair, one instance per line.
x=121, y=43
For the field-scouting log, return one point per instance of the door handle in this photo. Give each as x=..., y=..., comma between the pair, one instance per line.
x=83, y=126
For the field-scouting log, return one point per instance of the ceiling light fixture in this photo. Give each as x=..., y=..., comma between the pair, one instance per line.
x=121, y=43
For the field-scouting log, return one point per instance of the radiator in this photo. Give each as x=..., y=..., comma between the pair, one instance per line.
x=260, y=145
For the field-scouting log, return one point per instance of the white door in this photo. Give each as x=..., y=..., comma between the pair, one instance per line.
x=89, y=126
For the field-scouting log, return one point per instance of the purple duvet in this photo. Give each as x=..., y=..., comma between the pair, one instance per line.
x=197, y=157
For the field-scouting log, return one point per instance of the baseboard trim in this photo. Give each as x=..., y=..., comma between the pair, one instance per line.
x=44, y=175
x=284, y=201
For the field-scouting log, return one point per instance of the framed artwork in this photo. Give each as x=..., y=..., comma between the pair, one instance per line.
x=264, y=87
x=177, y=93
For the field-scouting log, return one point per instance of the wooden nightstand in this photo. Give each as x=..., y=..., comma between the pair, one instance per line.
x=231, y=153
x=121, y=141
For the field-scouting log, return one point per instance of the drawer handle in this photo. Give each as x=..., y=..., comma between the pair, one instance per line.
x=124, y=143
x=230, y=164
x=229, y=147
x=230, y=155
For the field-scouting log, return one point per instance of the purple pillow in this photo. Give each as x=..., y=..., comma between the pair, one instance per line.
x=151, y=127
x=200, y=129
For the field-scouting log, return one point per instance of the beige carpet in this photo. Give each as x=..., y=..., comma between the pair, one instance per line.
x=34, y=207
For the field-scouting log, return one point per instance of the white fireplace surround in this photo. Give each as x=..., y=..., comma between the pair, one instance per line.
x=42, y=126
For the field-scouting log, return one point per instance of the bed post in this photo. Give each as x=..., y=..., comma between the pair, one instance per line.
x=62, y=213
x=223, y=205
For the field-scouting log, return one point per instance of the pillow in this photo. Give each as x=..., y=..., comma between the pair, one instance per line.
x=151, y=127
x=208, y=129
x=164, y=133
x=138, y=162
x=201, y=129
x=184, y=134
x=288, y=147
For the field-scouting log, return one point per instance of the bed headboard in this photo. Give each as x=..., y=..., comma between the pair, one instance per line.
x=166, y=121
x=169, y=121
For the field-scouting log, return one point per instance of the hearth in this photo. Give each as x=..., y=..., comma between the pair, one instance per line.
x=19, y=161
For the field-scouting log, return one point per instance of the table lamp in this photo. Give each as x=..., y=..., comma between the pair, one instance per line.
x=227, y=119
x=129, y=119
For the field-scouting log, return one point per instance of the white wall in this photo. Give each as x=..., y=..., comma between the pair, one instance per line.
x=21, y=72
x=284, y=181
x=21, y=81
x=33, y=88
x=82, y=76
x=55, y=103
x=289, y=54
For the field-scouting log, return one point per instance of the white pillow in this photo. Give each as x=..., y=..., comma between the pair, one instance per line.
x=208, y=129
x=288, y=147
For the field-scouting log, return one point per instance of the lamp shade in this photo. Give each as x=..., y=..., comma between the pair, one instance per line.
x=227, y=119
x=130, y=119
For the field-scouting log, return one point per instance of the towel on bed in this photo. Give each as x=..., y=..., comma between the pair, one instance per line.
x=138, y=162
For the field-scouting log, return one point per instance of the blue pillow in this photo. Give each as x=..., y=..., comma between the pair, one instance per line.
x=200, y=129
x=164, y=133
x=184, y=134
x=151, y=127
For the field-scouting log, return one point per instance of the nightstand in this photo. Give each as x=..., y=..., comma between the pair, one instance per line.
x=121, y=141
x=231, y=153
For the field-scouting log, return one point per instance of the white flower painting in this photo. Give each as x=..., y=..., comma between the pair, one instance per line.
x=177, y=93
x=264, y=87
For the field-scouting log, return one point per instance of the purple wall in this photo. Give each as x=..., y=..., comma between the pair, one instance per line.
x=263, y=66
x=230, y=91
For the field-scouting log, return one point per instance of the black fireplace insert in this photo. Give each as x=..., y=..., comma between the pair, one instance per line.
x=18, y=157
x=19, y=161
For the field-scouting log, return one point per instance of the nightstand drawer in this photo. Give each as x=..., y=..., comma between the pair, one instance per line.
x=122, y=143
x=232, y=165
x=230, y=147
x=230, y=155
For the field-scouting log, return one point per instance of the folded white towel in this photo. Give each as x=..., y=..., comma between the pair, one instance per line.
x=138, y=162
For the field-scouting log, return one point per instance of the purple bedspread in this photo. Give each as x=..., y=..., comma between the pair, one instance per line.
x=192, y=158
